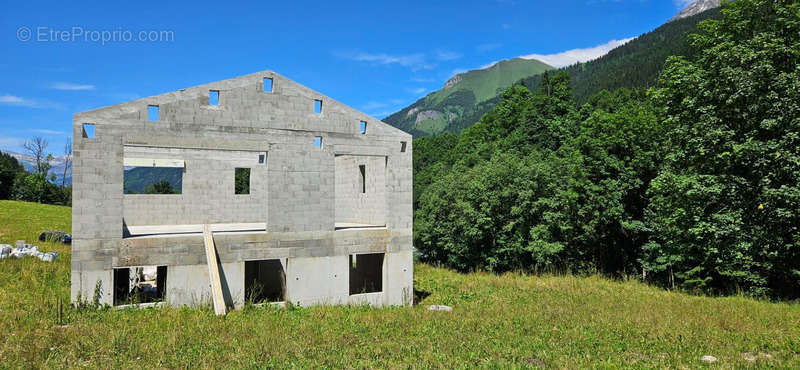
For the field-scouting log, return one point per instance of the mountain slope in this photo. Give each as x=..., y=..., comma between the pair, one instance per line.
x=138, y=179
x=461, y=94
x=696, y=7
x=636, y=64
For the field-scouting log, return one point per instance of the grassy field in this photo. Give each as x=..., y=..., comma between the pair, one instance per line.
x=509, y=320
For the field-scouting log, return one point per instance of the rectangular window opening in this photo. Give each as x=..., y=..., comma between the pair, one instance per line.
x=242, y=181
x=267, y=84
x=88, y=130
x=264, y=281
x=213, y=97
x=363, y=127
x=144, y=284
x=366, y=273
x=318, y=141
x=402, y=147
x=317, y=106
x=152, y=113
x=262, y=158
x=362, y=169
x=152, y=180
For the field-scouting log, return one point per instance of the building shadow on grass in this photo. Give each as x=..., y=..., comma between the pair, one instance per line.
x=419, y=296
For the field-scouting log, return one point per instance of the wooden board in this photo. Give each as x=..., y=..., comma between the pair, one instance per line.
x=153, y=162
x=213, y=272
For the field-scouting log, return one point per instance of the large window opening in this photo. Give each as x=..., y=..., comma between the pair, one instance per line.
x=152, y=180
x=366, y=273
x=144, y=284
x=264, y=281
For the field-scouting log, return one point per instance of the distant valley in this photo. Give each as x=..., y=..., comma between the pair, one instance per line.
x=57, y=166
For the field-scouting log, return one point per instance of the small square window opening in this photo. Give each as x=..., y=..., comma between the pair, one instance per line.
x=213, y=97
x=88, y=130
x=267, y=84
x=152, y=113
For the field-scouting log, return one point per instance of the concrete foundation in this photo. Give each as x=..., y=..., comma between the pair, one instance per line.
x=320, y=191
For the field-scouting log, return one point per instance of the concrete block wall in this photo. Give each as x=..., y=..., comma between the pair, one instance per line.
x=353, y=206
x=295, y=192
x=207, y=194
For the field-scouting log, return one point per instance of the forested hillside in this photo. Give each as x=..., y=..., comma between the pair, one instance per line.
x=461, y=95
x=694, y=183
x=636, y=64
x=142, y=179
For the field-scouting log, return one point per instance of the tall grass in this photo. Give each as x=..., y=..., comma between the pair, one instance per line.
x=510, y=320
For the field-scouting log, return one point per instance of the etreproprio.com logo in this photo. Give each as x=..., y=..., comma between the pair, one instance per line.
x=80, y=34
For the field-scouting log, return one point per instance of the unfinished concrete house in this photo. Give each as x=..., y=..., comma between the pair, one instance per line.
x=249, y=189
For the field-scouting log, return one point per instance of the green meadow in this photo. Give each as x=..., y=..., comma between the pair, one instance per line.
x=509, y=320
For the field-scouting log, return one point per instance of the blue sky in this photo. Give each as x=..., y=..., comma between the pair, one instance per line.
x=375, y=56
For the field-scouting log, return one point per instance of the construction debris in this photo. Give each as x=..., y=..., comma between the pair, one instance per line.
x=440, y=307
x=23, y=250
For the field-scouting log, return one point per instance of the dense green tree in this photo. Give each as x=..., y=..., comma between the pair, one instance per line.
x=431, y=160
x=36, y=187
x=537, y=184
x=725, y=211
x=695, y=184
x=161, y=187
x=9, y=169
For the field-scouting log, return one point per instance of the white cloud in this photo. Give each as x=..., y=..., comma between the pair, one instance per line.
x=381, y=109
x=482, y=48
x=414, y=61
x=18, y=101
x=11, y=99
x=372, y=105
x=422, y=80
x=47, y=132
x=10, y=142
x=418, y=90
x=447, y=55
x=71, y=86
x=7, y=99
x=570, y=57
x=458, y=70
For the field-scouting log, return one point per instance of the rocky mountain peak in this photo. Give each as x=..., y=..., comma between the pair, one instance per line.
x=696, y=7
x=453, y=81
